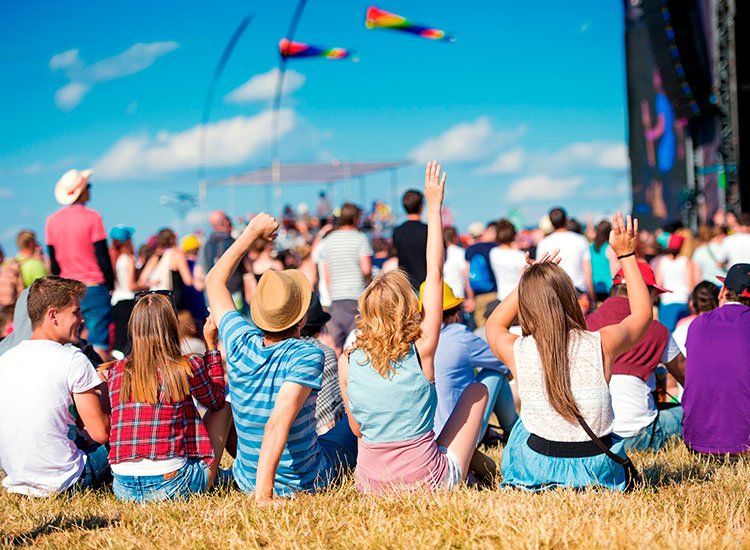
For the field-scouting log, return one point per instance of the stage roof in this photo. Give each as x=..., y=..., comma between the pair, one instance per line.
x=310, y=173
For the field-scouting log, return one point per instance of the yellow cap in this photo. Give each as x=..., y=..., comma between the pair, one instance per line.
x=449, y=299
x=190, y=242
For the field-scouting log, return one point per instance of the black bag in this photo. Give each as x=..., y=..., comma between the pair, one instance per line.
x=633, y=477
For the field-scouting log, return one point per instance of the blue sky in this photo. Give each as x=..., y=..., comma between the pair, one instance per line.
x=525, y=110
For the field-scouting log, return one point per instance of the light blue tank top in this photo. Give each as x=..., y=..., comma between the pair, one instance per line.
x=600, y=269
x=397, y=408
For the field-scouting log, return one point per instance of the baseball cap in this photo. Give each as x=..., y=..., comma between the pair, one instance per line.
x=121, y=233
x=646, y=272
x=738, y=279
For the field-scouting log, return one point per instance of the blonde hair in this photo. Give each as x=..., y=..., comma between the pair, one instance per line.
x=388, y=321
x=548, y=310
x=156, y=370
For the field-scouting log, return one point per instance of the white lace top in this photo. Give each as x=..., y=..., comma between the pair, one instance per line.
x=590, y=389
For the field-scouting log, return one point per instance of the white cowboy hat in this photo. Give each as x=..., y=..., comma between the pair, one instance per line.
x=70, y=186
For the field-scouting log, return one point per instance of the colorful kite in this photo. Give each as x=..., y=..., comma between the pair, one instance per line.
x=381, y=19
x=289, y=49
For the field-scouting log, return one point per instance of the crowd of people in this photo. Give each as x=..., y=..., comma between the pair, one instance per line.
x=313, y=346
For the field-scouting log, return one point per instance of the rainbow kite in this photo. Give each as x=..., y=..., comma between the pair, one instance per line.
x=381, y=19
x=289, y=49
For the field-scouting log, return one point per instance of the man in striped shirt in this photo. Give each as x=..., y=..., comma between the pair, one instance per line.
x=274, y=378
x=346, y=255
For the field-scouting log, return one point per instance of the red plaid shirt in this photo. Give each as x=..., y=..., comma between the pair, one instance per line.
x=164, y=430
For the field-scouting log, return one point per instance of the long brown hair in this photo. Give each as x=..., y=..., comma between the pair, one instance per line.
x=549, y=311
x=156, y=369
x=388, y=321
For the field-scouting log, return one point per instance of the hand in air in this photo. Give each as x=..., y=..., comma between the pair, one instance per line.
x=624, y=236
x=264, y=226
x=434, y=183
x=547, y=257
x=210, y=332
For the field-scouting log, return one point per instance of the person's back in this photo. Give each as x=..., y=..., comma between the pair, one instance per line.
x=341, y=251
x=716, y=399
x=574, y=251
x=72, y=231
x=735, y=248
x=410, y=240
x=587, y=383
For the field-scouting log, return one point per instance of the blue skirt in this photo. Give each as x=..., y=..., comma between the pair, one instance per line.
x=527, y=469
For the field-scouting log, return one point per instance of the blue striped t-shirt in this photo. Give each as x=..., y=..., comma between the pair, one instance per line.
x=256, y=373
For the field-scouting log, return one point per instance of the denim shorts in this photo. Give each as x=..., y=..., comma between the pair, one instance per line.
x=97, y=311
x=454, y=476
x=191, y=478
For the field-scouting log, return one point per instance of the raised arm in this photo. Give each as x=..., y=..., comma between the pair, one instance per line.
x=343, y=381
x=432, y=297
x=262, y=226
x=619, y=338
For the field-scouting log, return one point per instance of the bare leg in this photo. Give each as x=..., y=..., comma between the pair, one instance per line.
x=217, y=424
x=462, y=429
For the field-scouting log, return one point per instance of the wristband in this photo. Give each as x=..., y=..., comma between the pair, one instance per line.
x=625, y=255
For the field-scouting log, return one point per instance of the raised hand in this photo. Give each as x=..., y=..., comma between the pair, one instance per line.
x=210, y=332
x=624, y=235
x=263, y=226
x=548, y=257
x=434, y=184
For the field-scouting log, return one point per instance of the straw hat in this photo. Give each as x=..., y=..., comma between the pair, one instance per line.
x=281, y=300
x=70, y=186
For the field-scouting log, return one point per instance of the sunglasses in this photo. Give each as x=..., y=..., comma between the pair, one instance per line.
x=168, y=293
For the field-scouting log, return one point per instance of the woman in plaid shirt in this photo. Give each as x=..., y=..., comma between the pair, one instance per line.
x=160, y=447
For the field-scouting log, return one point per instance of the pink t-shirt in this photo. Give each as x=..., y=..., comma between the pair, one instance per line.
x=73, y=230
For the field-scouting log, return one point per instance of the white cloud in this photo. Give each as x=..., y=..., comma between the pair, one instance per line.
x=589, y=154
x=6, y=193
x=229, y=142
x=508, y=162
x=262, y=87
x=466, y=142
x=543, y=187
x=82, y=77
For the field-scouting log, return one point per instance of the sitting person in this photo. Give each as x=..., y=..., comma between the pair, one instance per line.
x=563, y=373
x=329, y=407
x=274, y=378
x=160, y=447
x=644, y=423
x=717, y=374
x=459, y=354
x=41, y=450
x=387, y=379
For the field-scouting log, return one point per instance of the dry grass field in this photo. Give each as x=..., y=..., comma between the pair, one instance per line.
x=687, y=503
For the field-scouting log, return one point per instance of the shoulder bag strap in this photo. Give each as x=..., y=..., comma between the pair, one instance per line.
x=632, y=475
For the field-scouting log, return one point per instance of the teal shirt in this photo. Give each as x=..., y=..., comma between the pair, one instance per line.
x=397, y=408
x=600, y=269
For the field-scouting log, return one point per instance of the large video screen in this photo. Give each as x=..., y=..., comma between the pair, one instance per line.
x=656, y=134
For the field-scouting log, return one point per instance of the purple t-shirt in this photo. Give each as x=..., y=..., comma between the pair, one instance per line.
x=716, y=400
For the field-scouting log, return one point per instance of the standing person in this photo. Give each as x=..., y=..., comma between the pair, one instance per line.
x=77, y=247
x=387, y=378
x=273, y=380
x=675, y=272
x=481, y=288
x=39, y=450
x=506, y=260
x=329, y=407
x=717, y=374
x=161, y=449
x=735, y=248
x=347, y=259
x=123, y=258
x=410, y=239
x=643, y=423
x=193, y=299
x=705, y=258
x=563, y=371
x=168, y=268
x=218, y=242
x=603, y=262
x=574, y=250
x=454, y=267
x=29, y=257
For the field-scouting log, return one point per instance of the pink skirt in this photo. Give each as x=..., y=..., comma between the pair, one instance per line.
x=415, y=464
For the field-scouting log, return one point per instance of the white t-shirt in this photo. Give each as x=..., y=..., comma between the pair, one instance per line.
x=37, y=381
x=122, y=274
x=674, y=275
x=454, y=270
x=735, y=249
x=342, y=250
x=632, y=399
x=574, y=251
x=507, y=265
